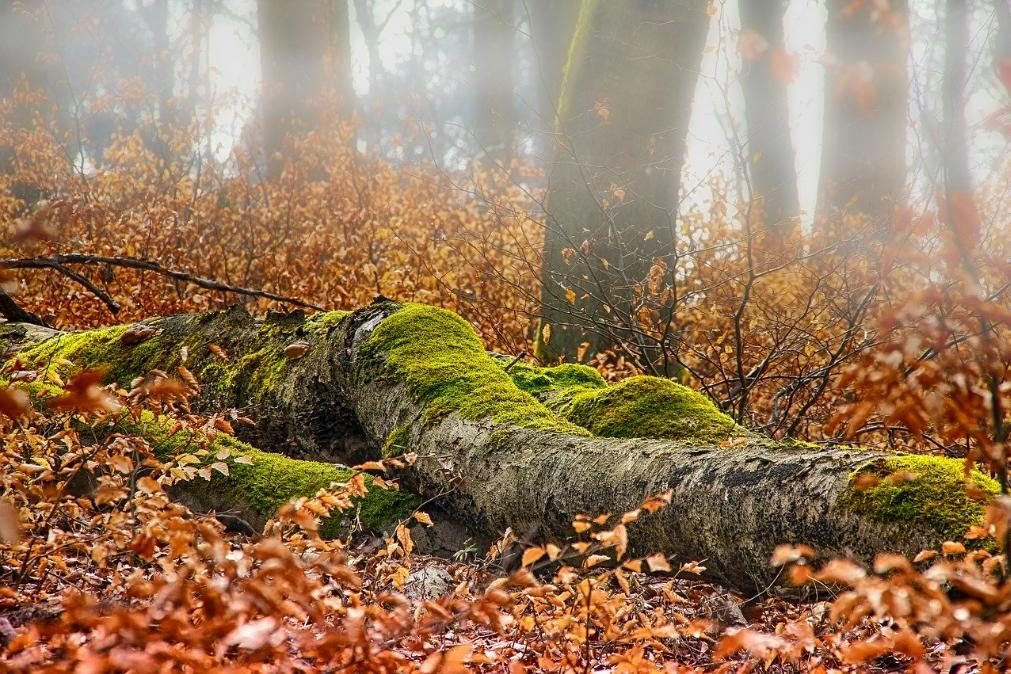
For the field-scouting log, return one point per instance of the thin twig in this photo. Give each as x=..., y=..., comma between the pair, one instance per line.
x=57, y=261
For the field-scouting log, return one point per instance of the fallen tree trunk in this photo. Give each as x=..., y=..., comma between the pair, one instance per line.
x=413, y=377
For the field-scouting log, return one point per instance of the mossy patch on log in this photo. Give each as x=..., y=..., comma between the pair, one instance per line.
x=922, y=490
x=259, y=487
x=649, y=407
x=270, y=480
x=441, y=358
x=256, y=367
x=396, y=442
x=560, y=378
x=320, y=323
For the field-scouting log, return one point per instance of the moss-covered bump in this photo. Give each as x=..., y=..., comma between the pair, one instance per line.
x=441, y=358
x=649, y=407
x=270, y=480
x=91, y=347
x=927, y=491
x=567, y=376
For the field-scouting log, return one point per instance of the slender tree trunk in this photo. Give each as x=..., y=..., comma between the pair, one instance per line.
x=958, y=178
x=863, y=166
x=612, y=194
x=494, y=55
x=416, y=379
x=764, y=81
x=165, y=61
x=304, y=57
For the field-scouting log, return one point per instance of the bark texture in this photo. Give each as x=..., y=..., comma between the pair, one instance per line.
x=417, y=378
x=612, y=194
x=957, y=175
x=551, y=25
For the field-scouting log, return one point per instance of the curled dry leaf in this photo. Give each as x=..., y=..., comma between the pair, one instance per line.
x=84, y=394
x=14, y=403
x=10, y=526
x=296, y=350
x=137, y=334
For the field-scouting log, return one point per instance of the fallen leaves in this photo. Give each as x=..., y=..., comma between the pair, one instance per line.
x=84, y=394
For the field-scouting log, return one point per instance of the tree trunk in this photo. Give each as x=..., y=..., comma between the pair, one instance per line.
x=863, y=165
x=764, y=81
x=612, y=193
x=494, y=55
x=416, y=378
x=305, y=56
x=955, y=153
x=551, y=25
x=291, y=411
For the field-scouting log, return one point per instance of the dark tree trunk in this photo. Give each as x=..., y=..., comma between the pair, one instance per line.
x=304, y=57
x=863, y=166
x=417, y=379
x=613, y=188
x=770, y=148
x=494, y=55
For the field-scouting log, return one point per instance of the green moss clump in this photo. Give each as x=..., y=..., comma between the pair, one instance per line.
x=928, y=491
x=567, y=376
x=443, y=362
x=649, y=407
x=272, y=480
x=319, y=324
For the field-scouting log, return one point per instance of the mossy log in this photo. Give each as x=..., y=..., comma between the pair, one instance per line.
x=503, y=444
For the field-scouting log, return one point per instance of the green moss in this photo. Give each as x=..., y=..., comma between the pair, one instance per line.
x=396, y=442
x=320, y=323
x=91, y=347
x=263, y=369
x=444, y=363
x=577, y=54
x=537, y=380
x=928, y=491
x=253, y=373
x=272, y=480
x=649, y=407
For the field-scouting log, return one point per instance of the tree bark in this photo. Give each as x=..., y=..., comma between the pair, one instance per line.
x=612, y=193
x=863, y=165
x=551, y=25
x=416, y=378
x=770, y=148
